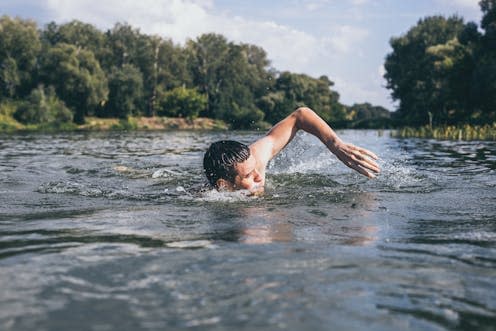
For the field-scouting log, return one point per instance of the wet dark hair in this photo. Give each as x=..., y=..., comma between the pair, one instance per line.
x=221, y=158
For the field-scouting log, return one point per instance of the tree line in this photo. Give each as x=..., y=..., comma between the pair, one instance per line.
x=64, y=73
x=443, y=71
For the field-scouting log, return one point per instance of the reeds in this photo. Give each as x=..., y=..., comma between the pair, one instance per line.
x=464, y=132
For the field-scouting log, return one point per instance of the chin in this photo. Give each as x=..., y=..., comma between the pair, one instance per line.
x=256, y=190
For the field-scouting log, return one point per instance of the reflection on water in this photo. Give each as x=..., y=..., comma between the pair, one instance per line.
x=116, y=230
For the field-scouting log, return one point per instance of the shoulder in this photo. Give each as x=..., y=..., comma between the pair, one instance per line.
x=262, y=151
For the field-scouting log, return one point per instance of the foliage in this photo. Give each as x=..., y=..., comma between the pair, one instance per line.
x=411, y=70
x=367, y=116
x=294, y=90
x=42, y=106
x=484, y=77
x=77, y=77
x=231, y=76
x=125, y=91
x=7, y=121
x=123, y=72
x=77, y=33
x=19, y=50
x=443, y=71
x=182, y=102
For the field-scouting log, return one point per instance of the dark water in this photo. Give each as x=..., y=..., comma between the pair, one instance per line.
x=109, y=232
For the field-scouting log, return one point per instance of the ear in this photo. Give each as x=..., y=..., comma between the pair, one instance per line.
x=223, y=184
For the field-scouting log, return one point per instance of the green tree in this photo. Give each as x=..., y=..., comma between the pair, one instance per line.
x=122, y=42
x=172, y=67
x=77, y=78
x=125, y=91
x=231, y=76
x=417, y=69
x=367, y=116
x=20, y=47
x=484, y=77
x=182, y=102
x=452, y=67
x=160, y=61
x=9, y=77
x=238, y=84
x=206, y=57
x=162, y=64
x=296, y=90
x=77, y=33
x=488, y=22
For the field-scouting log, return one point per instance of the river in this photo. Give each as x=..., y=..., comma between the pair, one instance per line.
x=111, y=231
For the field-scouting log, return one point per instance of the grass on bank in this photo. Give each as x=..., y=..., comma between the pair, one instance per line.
x=463, y=132
x=8, y=123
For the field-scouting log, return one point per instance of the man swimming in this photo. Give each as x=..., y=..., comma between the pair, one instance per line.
x=231, y=165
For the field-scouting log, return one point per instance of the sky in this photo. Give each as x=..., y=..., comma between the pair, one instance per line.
x=347, y=40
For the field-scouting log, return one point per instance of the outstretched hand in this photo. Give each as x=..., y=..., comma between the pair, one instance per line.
x=357, y=158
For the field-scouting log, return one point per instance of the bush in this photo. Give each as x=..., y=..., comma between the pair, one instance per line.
x=125, y=124
x=245, y=118
x=181, y=102
x=7, y=121
x=41, y=107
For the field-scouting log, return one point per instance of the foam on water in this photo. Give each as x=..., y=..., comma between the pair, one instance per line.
x=164, y=173
x=213, y=195
x=71, y=188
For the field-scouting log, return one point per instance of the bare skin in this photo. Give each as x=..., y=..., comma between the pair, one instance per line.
x=251, y=173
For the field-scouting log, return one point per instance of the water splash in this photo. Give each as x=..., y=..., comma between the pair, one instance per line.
x=71, y=188
x=164, y=173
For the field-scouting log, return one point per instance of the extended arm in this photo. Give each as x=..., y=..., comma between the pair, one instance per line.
x=307, y=120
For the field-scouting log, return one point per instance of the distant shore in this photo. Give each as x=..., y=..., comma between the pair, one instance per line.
x=131, y=123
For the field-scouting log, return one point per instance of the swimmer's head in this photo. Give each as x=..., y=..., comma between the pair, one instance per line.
x=229, y=164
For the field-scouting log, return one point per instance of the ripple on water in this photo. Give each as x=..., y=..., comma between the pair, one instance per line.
x=117, y=229
x=97, y=191
x=400, y=178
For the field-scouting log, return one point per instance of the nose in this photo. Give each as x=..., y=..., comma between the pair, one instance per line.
x=257, y=178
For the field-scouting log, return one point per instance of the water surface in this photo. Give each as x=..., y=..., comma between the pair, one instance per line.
x=110, y=231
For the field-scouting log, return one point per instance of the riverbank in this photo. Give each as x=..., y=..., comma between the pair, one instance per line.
x=465, y=132
x=107, y=124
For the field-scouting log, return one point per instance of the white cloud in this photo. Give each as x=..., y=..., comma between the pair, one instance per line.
x=346, y=37
x=359, y=2
x=182, y=19
x=355, y=92
x=471, y=4
x=317, y=4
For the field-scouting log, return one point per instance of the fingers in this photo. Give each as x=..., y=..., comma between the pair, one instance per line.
x=360, y=160
x=354, y=164
x=364, y=151
x=365, y=162
x=363, y=171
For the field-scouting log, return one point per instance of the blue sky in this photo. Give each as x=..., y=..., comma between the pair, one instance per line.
x=347, y=40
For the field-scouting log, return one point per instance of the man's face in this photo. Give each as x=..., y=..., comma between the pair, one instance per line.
x=248, y=177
